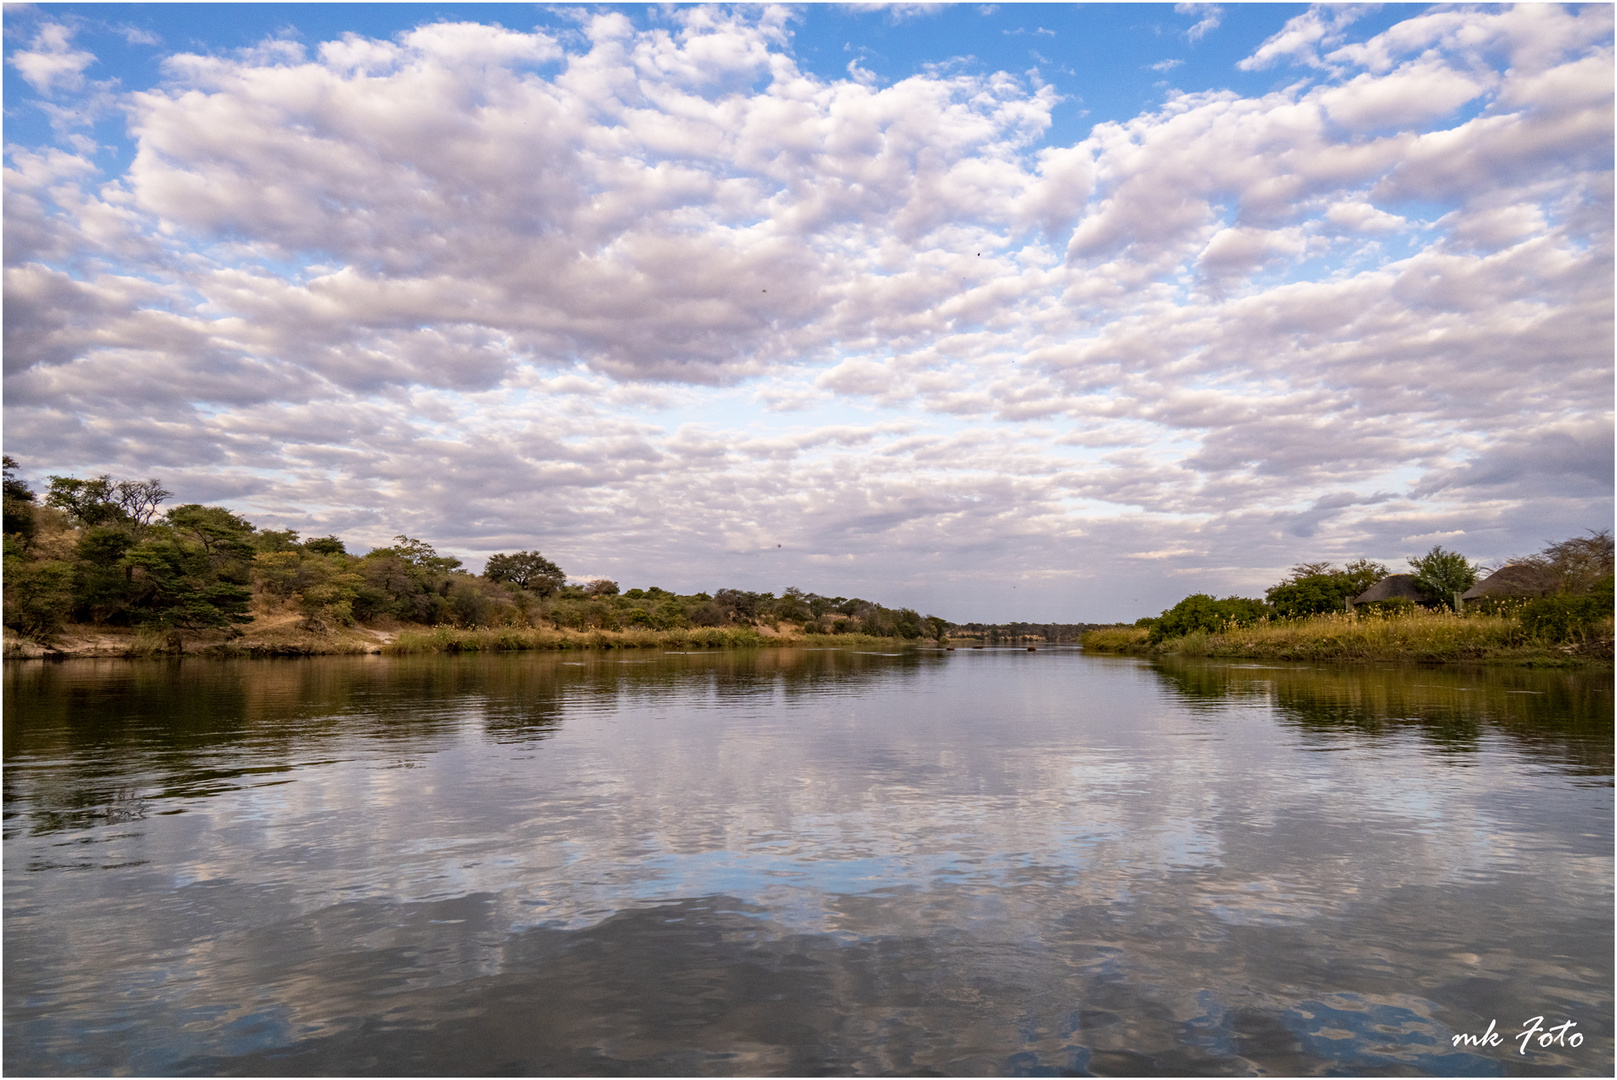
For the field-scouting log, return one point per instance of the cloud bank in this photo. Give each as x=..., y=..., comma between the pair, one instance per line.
x=661, y=303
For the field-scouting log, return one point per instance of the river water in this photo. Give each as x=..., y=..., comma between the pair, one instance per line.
x=804, y=861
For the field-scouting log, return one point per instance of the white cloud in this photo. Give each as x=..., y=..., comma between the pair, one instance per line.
x=1208, y=18
x=658, y=298
x=1417, y=93
x=1303, y=36
x=51, y=63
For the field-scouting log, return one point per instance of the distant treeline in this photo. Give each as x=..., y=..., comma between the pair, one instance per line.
x=97, y=551
x=1015, y=633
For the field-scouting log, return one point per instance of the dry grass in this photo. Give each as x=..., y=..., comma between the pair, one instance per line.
x=278, y=633
x=515, y=638
x=1119, y=639
x=1424, y=636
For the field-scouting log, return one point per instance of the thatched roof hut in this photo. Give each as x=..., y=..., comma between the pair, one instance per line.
x=1516, y=579
x=1393, y=587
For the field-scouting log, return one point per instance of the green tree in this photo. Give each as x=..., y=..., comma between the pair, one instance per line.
x=1317, y=588
x=1203, y=613
x=101, y=500
x=325, y=545
x=86, y=502
x=103, y=583
x=416, y=554
x=180, y=584
x=223, y=536
x=907, y=624
x=1440, y=573
x=328, y=587
x=19, y=504
x=527, y=570
x=276, y=540
x=38, y=595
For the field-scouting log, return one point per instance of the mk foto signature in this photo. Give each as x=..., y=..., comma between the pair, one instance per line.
x=1559, y=1035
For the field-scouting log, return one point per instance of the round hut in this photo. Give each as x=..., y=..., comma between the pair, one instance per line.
x=1514, y=579
x=1393, y=587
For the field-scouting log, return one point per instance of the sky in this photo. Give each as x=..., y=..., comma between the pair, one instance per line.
x=1001, y=312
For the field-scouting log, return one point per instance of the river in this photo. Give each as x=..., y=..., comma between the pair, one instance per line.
x=804, y=861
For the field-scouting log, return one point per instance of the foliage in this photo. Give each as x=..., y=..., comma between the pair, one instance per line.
x=601, y=587
x=1317, y=588
x=104, y=501
x=19, y=504
x=1440, y=573
x=526, y=570
x=37, y=595
x=1583, y=561
x=183, y=584
x=276, y=540
x=1577, y=565
x=325, y=545
x=1566, y=617
x=1122, y=639
x=222, y=536
x=1202, y=613
x=418, y=555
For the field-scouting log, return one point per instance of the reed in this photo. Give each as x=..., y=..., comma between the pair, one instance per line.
x=1419, y=635
x=521, y=638
x=1118, y=639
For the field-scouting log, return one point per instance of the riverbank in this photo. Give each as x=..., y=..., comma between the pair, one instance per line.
x=1418, y=637
x=286, y=636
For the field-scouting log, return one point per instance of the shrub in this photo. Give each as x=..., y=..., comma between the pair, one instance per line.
x=1320, y=588
x=1565, y=618
x=37, y=596
x=1202, y=613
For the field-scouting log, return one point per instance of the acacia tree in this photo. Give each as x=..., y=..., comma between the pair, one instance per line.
x=101, y=500
x=1441, y=573
x=1580, y=562
x=192, y=571
x=526, y=570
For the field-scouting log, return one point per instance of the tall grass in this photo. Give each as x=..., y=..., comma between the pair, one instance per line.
x=1419, y=635
x=517, y=639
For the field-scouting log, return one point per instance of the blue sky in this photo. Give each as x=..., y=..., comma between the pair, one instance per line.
x=1000, y=311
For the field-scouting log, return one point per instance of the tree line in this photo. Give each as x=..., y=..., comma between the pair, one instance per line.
x=1576, y=575
x=98, y=551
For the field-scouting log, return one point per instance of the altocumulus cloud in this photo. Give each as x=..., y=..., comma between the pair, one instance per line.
x=658, y=300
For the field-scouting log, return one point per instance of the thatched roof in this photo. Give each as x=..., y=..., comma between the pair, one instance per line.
x=1392, y=587
x=1517, y=579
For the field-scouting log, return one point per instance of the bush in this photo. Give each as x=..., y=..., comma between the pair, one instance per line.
x=1320, y=588
x=1565, y=618
x=37, y=596
x=1202, y=613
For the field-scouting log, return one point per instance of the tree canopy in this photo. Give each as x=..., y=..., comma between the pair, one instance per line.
x=1316, y=588
x=1441, y=573
x=526, y=570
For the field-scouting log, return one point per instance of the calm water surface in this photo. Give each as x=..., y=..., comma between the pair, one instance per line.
x=812, y=861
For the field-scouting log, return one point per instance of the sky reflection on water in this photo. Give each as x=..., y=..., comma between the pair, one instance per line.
x=988, y=862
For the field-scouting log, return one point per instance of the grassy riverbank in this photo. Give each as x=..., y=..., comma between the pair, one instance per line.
x=1419, y=636
x=519, y=639
x=287, y=637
